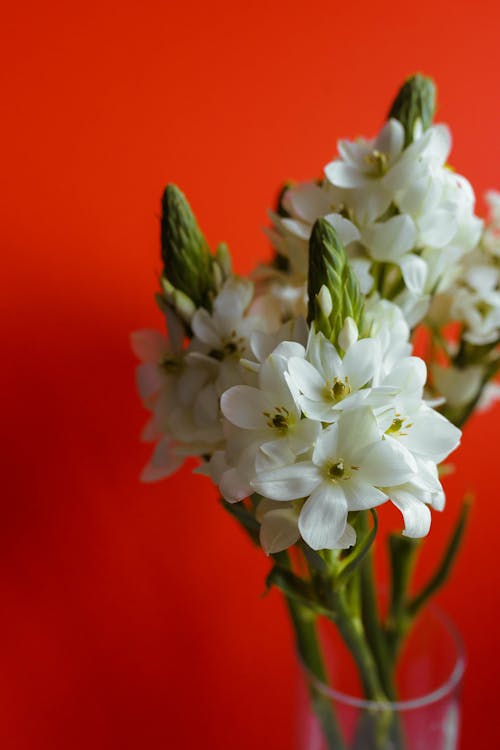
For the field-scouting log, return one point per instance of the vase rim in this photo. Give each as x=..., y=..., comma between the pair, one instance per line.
x=414, y=703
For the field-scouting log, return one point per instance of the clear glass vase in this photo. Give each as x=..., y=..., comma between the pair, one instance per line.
x=427, y=713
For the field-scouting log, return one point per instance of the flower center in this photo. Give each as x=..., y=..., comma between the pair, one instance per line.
x=170, y=363
x=279, y=419
x=484, y=308
x=233, y=346
x=378, y=161
x=337, y=470
x=397, y=425
x=338, y=390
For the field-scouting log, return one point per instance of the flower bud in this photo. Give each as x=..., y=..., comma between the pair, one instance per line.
x=333, y=288
x=414, y=106
x=185, y=253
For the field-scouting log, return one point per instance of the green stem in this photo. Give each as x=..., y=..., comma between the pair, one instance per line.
x=351, y=629
x=309, y=649
x=402, y=556
x=374, y=633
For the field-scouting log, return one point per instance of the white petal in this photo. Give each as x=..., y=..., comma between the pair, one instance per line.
x=279, y=530
x=391, y=239
x=323, y=518
x=345, y=176
x=386, y=463
x=205, y=329
x=326, y=446
x=414, y=270
x=244, y=406
x=437, y=228
x=272, y=455
x=416, y=514
x=308, y=201
x=347, y=539
x=432, y=435
x=357, y=429
x=303, y=436
x=233, y=487
x=288, y=482
x=440, y=144
x=148, y=345
x=163, y=463
x=150, y=380
x=348, y=334
x=346, y=230
x=408, y=376
x=391, y=138
x=306, y=378
x=361, y=362
x=360, y=495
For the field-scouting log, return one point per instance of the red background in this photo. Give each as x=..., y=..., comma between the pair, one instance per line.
x=132, y=615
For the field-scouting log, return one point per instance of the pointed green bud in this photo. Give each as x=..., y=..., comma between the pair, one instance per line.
x=178, y=301
x=184, y=250
x=415, y=105
x=333, y=288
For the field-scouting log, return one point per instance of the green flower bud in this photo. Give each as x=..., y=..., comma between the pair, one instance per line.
x=182, y=305
x=415, y=105
x=329, y=271
x=184, y=250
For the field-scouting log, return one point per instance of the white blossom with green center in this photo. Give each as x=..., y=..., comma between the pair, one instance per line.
x=264, y=425
x=350, y=464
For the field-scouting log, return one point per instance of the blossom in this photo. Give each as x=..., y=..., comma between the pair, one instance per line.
x=329, y=383
x=374, y=173
x=349, y=464
x=476, y=302
x=263, y=425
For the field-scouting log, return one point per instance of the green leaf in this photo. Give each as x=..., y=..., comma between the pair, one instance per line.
x=329, y=267
x=184, y=250
x=415, y=101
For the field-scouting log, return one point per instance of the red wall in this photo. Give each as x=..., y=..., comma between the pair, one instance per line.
x=132, y=615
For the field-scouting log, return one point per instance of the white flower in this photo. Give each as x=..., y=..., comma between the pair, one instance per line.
x=290, y=235
x=477, y=304
x=385, y=322
x=373, y=173
x=350, y=462
x=459, y=386
x=329, y=384
x=420, y=430
x=265, y=425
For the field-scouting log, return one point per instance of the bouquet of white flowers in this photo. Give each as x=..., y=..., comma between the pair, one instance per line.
x=297, y=389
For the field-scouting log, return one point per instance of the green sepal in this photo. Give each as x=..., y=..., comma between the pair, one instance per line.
x=185, y=253
x=351, y=563
x=416, y=100
x=329, y=267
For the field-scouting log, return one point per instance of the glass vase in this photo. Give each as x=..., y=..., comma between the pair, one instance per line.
x=427, y=713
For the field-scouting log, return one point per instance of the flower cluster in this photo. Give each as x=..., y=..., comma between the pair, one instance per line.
x=299, y=391
x=404, y=216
